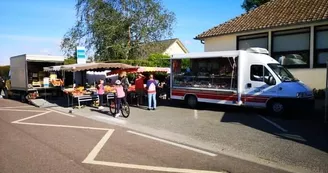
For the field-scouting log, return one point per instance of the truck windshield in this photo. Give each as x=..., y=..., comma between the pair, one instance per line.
x=282, y=73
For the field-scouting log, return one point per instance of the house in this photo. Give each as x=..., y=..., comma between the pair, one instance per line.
x=295, y=32
x=167, y=47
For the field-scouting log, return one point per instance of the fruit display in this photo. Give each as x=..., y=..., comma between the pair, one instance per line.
x=108, y=88
x=57, y=82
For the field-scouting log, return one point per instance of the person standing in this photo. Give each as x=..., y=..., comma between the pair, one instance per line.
x=151, y=89
x=140, y=89
x=101, y=92
x=2, y=85
x=120, y=94
x=167, y=87
x=125, y=84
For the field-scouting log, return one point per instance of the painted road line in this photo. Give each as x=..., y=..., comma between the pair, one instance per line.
x=175, y=144
x=273, y=123
x=111, y=119
x=195, y=114
x=19, y=110
x=94, y=152
x=70, y=115
x=37, y=115
x=57, y=125
x=151, y=168
x=17, y=107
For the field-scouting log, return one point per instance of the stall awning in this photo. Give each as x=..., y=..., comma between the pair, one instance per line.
x=89, y=67
x=141, y=70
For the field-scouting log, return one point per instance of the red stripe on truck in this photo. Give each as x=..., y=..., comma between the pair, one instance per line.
x=221, y=96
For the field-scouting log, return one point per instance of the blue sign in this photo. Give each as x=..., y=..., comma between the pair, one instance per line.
x=80, y=54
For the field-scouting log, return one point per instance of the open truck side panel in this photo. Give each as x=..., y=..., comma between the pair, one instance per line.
x=22, y=68
x=261, y=82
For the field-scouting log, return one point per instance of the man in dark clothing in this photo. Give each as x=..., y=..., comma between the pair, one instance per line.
x=2, y=85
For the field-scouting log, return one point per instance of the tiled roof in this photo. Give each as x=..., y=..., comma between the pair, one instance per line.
x=275, y=13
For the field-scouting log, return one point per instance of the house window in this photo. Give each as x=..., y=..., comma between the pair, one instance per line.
x=321, y=46
x=258, y=40
x=291, y=48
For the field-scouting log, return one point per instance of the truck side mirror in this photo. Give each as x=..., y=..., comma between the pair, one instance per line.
x=270, y=80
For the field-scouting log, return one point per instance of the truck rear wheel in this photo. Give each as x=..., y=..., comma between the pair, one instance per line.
x=191, y=101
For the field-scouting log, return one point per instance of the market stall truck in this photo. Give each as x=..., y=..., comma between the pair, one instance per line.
x=242, y=78
x=27, y=76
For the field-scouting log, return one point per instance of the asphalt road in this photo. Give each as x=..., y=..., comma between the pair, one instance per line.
x=42, y=140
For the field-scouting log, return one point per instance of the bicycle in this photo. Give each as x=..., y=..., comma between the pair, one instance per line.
x=125, y=108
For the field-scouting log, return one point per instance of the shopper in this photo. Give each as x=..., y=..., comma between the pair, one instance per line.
x=140, y=89
x=125, y=83
x=167, y=87
x=151, y=89
x=101, y=92
x=120, y=94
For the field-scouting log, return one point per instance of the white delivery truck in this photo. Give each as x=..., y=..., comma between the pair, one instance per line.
x=27, y=77
x=243, y=77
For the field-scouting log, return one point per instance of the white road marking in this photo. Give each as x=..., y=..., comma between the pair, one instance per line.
x=195, y=114
x=57, y=125
x=70, y=115
x=17, y=107
x=273, y=123
x=150, y=168
x=111, y=119
x=33, y=116
x=175, y=144
x=20, y=110
x=94, y=152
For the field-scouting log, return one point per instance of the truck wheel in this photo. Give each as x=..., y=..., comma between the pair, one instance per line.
x=6, y=94
x=191, y=101
x=276, y=107
x=23, y=98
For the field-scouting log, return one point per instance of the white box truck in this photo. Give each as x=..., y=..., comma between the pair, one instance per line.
x=242, y=78
x=26, y=74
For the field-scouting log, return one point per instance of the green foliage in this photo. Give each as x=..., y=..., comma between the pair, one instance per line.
x=4, y=71
x=252, y=4
x=70, y=60
x=319, y=94
x=114, y=29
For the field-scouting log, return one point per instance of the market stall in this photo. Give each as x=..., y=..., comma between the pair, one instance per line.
x=84, y=92
x=143, y=70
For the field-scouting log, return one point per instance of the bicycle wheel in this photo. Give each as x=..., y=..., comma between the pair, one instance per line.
x=125, y=109
x=112, y=107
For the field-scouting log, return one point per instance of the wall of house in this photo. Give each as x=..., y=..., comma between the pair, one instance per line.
x=221, y=43
x=313, y=77
x=174, y=49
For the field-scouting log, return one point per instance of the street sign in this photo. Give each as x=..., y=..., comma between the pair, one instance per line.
x=80, y=54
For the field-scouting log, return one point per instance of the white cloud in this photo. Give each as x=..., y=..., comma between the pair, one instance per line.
x=30, y=38
x=188, y=42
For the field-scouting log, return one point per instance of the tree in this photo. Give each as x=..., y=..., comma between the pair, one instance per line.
x=70, y=60
x=252, y=4
x=114, y=29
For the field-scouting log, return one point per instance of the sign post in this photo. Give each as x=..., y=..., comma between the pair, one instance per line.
x=326, y=94
x=80, y=54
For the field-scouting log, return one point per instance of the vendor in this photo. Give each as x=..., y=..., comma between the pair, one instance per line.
x=140, y=89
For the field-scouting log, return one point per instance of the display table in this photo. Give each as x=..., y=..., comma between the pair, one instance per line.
x=79, y=98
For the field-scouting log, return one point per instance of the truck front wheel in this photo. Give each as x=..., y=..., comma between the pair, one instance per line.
x=276, y=107
x=23, y=97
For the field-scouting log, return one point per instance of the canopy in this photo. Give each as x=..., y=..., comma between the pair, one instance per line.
x=141, y=70
x=89, y=67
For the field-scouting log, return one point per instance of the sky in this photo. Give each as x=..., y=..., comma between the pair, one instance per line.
x=37, y=26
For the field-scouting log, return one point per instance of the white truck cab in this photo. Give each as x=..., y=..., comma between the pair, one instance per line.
x=249, y=78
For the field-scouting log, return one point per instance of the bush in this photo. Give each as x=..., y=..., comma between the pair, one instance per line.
x=319, y=94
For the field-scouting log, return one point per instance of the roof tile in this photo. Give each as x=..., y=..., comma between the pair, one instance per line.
x=272, y=14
